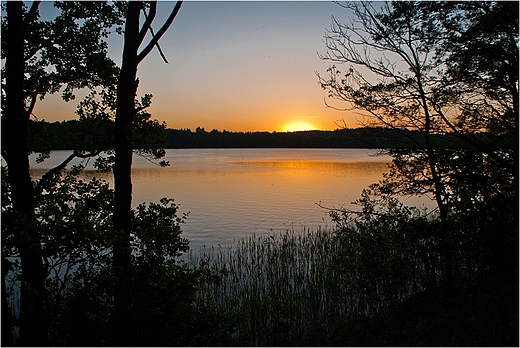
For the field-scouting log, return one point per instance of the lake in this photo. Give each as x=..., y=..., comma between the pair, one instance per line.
x=234, y=193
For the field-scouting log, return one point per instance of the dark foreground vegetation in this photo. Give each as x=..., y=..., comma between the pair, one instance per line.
x=369, y=283
x=82, y=266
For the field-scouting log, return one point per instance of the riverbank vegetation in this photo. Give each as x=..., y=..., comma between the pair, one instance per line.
x=80, y=266
x=369, y=284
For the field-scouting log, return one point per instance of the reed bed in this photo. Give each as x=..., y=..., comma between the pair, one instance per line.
x=281, y=287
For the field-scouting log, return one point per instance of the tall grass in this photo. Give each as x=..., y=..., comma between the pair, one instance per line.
x=282, y=287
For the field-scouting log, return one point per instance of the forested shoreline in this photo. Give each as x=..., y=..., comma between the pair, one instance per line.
x=64, y=136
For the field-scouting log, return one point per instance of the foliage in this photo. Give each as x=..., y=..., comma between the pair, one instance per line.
x=62, y=237
x=69, y=49
x=95, y=130
x=390, y=246
x=43, y=57
x=483, y=61
x=156, y=231
x=75, y=221
x=443, y=70
x=296, y=287
x=374, y=279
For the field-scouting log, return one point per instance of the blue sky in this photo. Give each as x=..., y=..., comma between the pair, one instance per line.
x=239, y=66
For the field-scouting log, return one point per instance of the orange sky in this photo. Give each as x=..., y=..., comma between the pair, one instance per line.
x=239, y=66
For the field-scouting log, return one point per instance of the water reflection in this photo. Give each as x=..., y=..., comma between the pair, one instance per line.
x=232, y=193
x=242, y=198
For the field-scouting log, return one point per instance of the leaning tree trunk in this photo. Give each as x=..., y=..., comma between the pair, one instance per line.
x=126, y=92
x=439, y=193
x=15, y=126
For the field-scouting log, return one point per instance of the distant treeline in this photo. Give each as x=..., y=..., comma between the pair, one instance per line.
x=343, y=138
x=366, y=137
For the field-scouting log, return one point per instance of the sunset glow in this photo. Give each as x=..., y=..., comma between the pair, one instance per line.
x=298, y=127
x=246, y=66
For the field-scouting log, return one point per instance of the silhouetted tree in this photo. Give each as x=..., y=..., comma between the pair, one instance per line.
x=400, y=98
x=41, y=57
x=125, y=114
x=16, y=120
x=480, y=42
x=439, y=69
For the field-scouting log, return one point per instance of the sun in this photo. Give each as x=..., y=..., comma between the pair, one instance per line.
x=298, y=126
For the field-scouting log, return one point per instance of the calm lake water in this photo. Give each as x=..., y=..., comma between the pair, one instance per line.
x=234, y=193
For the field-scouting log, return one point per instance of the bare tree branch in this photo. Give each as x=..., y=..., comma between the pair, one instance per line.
x=158, y=46
x=149, y=19
x=160, y=33
x=148, y=24
x=48, y=176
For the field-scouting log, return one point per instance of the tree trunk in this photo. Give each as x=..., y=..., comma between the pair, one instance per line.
x=126, y=92
x=7, y=331
x=33, y=321
x=439, y=192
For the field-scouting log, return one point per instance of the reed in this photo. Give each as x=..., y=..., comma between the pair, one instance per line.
x=283, y=287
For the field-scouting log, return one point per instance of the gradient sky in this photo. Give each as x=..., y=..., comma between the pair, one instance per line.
x=238, y=66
